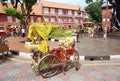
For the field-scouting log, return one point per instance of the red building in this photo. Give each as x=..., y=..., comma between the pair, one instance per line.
x=64, y=14
x=106, y=16
x=13, y=21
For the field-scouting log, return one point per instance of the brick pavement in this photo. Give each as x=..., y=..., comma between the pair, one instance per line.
x=98, y=48
x=16, y=44
x=89, y=71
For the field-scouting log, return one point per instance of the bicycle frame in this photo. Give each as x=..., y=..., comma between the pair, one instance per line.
x=63, y=54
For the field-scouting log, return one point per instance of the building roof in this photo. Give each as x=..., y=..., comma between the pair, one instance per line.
x=105, y=4
x=4, y=5
x=36, y=8
x=60, y=5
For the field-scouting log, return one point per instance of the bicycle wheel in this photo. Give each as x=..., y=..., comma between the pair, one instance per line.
x=2, y=58
x=76, y=60
x=46, y=68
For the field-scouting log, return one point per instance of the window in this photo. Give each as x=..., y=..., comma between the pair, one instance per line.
x=39, y=19
x=65, y=12
x=103, y=19
x=76, y=20
x=52, y=19
x=60, y=11
x=69, y=19
x=32, y=19
x=75, y=13
x=9, y=18
x=65, y=19
x=60, y=19
x=46, y=10
x=46, y=18
x=52, y=10
x=69, y=12
x=17, y=20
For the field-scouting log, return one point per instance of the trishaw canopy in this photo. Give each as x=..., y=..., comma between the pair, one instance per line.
x=43, y=30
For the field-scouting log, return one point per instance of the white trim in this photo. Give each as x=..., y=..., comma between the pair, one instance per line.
x=82, y=57
x=26, y=55
x=114, y=57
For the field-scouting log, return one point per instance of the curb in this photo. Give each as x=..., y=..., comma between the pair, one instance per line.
x=82, y=58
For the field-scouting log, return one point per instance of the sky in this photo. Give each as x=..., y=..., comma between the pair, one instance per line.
x=74, y=2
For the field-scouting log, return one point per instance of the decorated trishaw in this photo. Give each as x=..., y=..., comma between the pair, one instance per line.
x=47, y=62
x=3, y=45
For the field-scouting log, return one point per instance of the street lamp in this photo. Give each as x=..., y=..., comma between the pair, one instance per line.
x=79, y=19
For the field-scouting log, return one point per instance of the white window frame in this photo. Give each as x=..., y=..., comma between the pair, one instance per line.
x=60, y=11
x=76, y=20
x=52, y=19
x=9, y=18
x=75, y=13
x=52, y=11
x=60, y=19
x=104, y=19
x=69, y=12
x=17, y=20
x=32, y=18
x=46, y=10
x=39, y=19
x=69, y=19
x=46, y=18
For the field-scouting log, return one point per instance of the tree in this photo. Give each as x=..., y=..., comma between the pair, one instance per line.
x=116, y=9
x=94, y=11
x=24, y=12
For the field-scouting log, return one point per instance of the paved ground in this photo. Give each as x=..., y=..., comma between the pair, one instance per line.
x=86, y=47
x=15, y=70
x=19, y=69
x=98, y=46
x=17, y=44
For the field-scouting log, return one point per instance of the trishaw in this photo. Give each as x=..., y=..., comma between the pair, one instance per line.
x=3, y=46
x=49, y=63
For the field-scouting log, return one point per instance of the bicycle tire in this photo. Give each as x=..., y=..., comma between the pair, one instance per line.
x=44, y=66
x=76, y=60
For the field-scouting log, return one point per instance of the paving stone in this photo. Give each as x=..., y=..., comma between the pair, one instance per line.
x=89, y=69
x=118, y=78
x=96, y=75
x=112, y=72
x=13, y=72
x=10, y=78
x=102, y=79
x=55, y=79
x=76, y=77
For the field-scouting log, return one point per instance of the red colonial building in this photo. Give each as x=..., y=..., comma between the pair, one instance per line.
x=106, y=16
x=64, y=14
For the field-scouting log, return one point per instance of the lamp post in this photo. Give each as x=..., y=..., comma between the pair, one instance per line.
x=79, y=19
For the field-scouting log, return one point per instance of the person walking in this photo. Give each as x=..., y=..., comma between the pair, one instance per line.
x=23, y=32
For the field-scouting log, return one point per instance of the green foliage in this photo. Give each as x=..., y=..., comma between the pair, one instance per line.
x=29, y=4
x=95, y=12
x=14, y=12
x=57, y=33
x=11, y=11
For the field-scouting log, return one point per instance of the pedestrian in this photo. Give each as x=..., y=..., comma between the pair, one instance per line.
x=23, y=32
x=96, y=31
x=105, y=33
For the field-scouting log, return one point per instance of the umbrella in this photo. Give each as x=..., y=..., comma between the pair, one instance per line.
x=88, y=23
